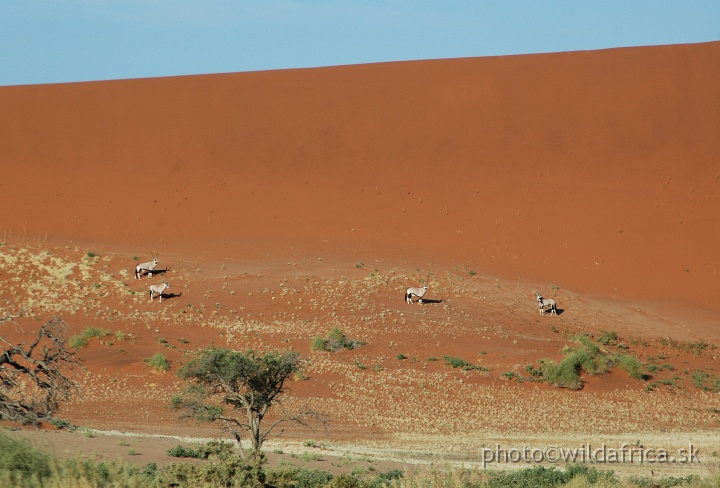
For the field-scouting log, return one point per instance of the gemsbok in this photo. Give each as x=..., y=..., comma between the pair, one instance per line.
x=546, y=304
x=415, y=292
x=158, y=290
x=148, y=267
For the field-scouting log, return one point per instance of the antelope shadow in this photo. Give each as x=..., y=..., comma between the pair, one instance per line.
x=168, y=296
x=156, y=271
x=558, y=311
x=429, y=300
x=161, y=271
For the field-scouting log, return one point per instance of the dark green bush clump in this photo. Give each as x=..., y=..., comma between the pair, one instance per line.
x=158, y=362
x=19, y=460
x=461, y=363
x=540, y=476
x=589, y=358
x=222, y=450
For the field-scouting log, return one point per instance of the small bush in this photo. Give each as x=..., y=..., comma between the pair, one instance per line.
x=22, y=460
x=607, y=338
x=335, y=340
x=461, y=363
x=310, y=456
x=540, y=476
x=219, y=449
x=563, y=375
x=23, y=465
x=456, y=362
x=631, y=365
x=77, y=342
x=158, y=362
x=235, y=471
x=184, y=452
x=319, y=344
x=83, y=339
x=705, y=381
x=588, y=358
x=61, y=424
x=344, y=481
x=297, y=477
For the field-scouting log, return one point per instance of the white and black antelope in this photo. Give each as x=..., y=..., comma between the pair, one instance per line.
x=148, y=267
x=546, y=304
x=158, y=290
x=415, y=292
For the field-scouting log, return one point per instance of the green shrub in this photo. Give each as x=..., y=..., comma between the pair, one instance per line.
x=61, y=424
x=319, y=344
x=587, y=358
x=457, y=362
x=631, y=365
x=20, y=460
x=607, y=338
x=158, y=362
x=91, y=332
x=591, y=361
x=219, y=449
x=81, y=340
x=460, y=363
x=669, y=481
x=23, y=465
x=705, y=381
x=563, y=375
x=77, y=342
x=310, y=456
x=344, y=481
x=533, y=371
x=297, y=477
x=235, y=471
x=335, y=340
x=384, y=479
x=184, y=452
x=540, y=476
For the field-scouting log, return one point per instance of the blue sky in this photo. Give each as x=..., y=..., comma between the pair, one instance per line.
x=52, y=41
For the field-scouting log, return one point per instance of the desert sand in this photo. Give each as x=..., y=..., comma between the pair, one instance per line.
x=290, y=202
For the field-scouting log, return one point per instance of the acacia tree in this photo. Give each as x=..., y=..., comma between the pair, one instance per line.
x=248, y=383
x=32, y=376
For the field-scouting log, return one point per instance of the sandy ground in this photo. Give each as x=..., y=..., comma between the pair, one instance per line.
x=288, y=203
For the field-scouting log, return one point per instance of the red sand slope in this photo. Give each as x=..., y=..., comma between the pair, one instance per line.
x=597, y=171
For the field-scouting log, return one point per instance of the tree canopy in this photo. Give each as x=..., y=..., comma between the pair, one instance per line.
x=237, y=389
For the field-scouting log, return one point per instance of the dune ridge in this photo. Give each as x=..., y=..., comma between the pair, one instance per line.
x=595, y=171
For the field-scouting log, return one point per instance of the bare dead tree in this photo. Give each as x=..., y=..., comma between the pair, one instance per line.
x=33, y=378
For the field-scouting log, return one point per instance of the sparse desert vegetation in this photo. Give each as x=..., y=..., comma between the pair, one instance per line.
x=415, y=367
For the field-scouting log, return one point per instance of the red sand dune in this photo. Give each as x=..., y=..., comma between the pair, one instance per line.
x=596, y=171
